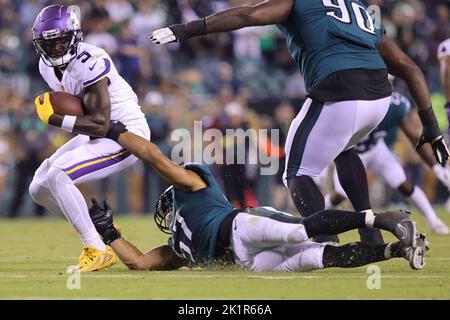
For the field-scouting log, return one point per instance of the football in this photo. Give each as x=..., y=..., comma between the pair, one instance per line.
x=64, y=103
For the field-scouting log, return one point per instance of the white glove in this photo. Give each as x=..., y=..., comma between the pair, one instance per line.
x=443, y=174
x=163, y=36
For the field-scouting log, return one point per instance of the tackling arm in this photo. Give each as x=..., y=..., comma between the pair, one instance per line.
x=173, y=173
x=161, y=258
x=264, y=13
x=98, y=106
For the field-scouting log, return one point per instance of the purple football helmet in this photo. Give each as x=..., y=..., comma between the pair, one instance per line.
x=56, y=35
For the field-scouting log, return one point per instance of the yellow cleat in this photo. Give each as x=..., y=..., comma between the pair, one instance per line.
x=92, y=259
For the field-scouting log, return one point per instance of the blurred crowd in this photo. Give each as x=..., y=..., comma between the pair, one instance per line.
x=243, y=79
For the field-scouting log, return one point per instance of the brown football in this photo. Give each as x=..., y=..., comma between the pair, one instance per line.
x=64, y=103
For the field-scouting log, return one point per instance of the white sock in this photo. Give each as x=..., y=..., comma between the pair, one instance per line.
x=370, y=218
x=420, y=200
x=74, y=207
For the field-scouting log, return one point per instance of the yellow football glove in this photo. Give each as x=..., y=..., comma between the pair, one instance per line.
x=44, y=109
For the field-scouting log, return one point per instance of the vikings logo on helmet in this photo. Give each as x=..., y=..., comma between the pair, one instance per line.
x=56, y=34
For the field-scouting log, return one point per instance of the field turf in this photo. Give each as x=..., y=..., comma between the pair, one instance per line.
x=35, y=254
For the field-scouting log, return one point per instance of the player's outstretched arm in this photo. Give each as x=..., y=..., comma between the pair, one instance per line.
x=98, y=111
x=400, y=65
x=264, y=13
x=148, y=152
x=160, y=258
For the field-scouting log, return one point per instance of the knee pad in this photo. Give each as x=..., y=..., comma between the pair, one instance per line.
x=43, y=196
x=55, y=176
x=38, y=192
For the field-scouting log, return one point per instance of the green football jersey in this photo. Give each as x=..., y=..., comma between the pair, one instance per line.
x=327, y=36
x=198, y=216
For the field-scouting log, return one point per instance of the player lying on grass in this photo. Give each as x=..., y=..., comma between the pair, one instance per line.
x=206, y=228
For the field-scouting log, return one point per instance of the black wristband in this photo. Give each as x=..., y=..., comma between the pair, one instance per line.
x=115, y=130
x=189, y=30
x=110, y=235
x=429, y=122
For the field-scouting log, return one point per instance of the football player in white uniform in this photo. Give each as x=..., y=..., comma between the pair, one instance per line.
x=70, y=65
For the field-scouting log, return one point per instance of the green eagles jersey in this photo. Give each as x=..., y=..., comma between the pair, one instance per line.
x=198, y=216
x=398, y=110
x=326, y=36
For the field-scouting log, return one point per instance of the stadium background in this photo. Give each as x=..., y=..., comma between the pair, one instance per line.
x=241, y=79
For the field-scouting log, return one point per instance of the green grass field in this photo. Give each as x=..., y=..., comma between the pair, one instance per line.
x=34, y=255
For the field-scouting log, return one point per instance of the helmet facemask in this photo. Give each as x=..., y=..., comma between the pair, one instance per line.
x=58, y=51
x=165, y=211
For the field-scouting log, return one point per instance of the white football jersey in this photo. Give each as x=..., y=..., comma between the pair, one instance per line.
x=90, y=66
x=444, y=49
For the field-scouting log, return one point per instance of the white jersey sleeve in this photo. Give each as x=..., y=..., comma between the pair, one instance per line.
x=97, y=67
x=444, y=49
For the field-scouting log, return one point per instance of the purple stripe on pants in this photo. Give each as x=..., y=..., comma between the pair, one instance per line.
x=93, y=159
x=98, y=166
